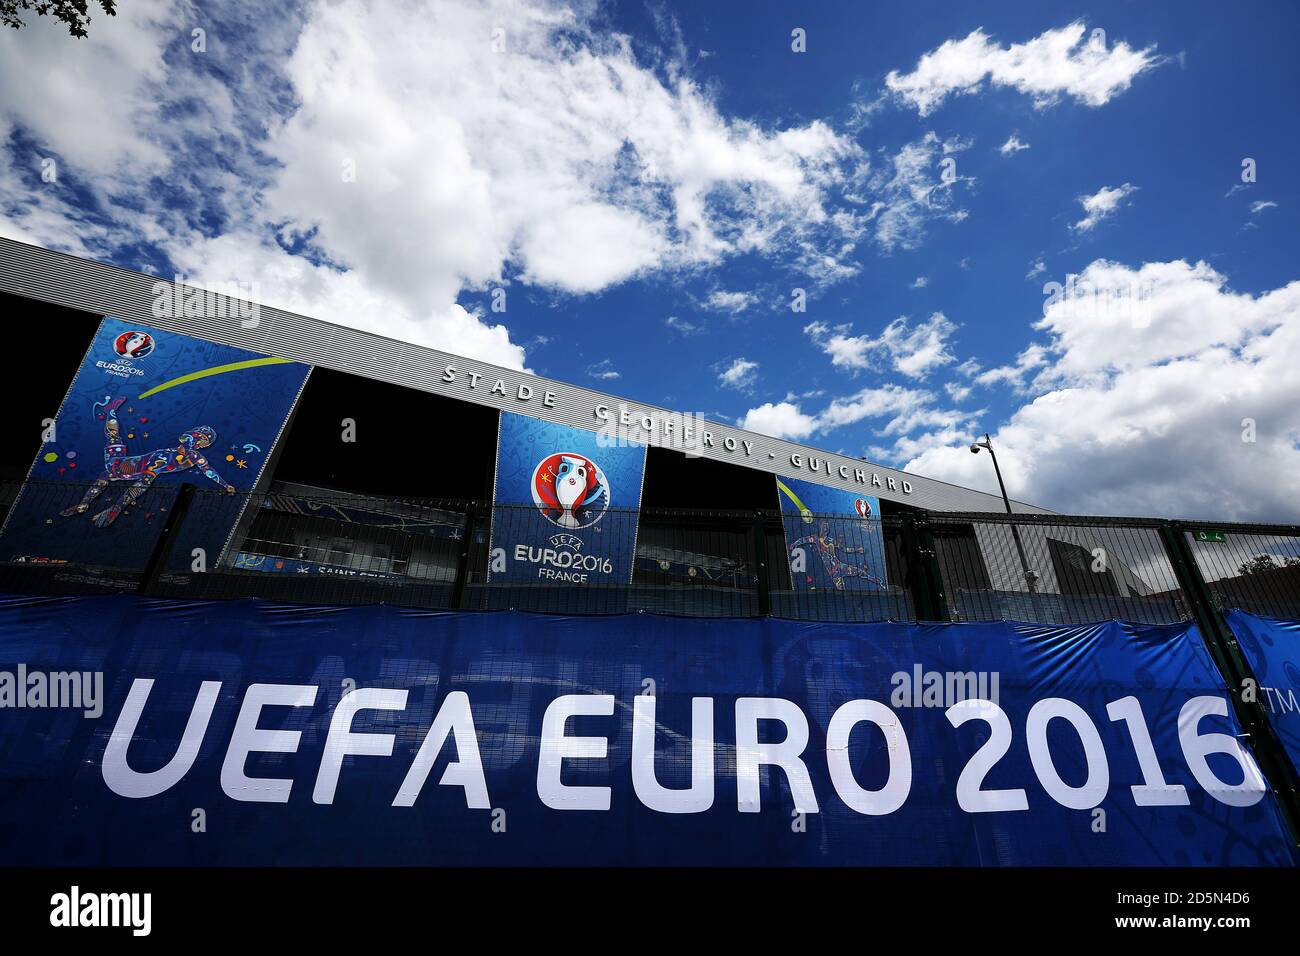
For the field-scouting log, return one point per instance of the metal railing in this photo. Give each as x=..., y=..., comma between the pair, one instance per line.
x=1056, y=569
x=326, y=547
x=1252, y=567
x=307, y=546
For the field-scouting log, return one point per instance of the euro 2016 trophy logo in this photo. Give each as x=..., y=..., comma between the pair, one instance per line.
x=133, y=344
x=570, y=489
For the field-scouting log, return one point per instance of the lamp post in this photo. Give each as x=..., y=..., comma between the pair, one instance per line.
x=1031, y=578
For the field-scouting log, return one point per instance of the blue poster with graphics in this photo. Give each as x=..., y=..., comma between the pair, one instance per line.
x=147, y=411
x=564, y=504
x=1272, y=648
x=833, y=537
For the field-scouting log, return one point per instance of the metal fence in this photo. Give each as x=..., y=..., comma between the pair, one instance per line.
x=1252, y=567
x=300, y=545
x=1056, y=569
x=313, y=547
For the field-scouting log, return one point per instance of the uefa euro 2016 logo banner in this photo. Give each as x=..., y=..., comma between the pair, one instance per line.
x=833, y=537
x=568, y=505
x=147, y=411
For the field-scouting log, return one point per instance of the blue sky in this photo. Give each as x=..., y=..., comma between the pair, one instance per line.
x=649, y=183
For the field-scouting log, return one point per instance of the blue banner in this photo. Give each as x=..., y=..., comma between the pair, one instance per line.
x=148, y=410
x=1272, y=649
x=570, y=500
x=251, y=561
x=828, y=549
x=247, y=732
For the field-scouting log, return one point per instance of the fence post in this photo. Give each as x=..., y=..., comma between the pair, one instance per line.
x=1222, y=644
x=933, y=574
x=460, y=589
x=154, y=567
x=917, y=579
x=762, y=582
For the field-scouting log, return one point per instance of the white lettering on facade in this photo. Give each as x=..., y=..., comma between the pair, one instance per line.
x=673, y=429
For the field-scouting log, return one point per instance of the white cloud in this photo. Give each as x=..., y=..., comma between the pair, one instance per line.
x=561, y=250
x=1142, y=410
x=1102, y=204
x=1113, y=317
x=82, y=94
x=732, y=302
x=739, y=374
x=684, y=326
x=1260, y=205
x=900, y=411
x=604, y=369
x=1055, y=63
x=402, y=164
x=906, y=409
x=1036, y=268
x=344, y=297
x=780, y=420
x=1032, y=358
x=1012, y=145
x=911, y=190
x=920, y=282
x=851, y=352
x=914, y=350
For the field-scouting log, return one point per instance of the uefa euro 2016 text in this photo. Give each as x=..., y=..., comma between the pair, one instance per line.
x=791, y=755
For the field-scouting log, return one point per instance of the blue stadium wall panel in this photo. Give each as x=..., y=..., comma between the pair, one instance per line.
x=1108, y=744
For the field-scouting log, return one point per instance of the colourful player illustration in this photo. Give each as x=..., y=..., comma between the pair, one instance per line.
x=829, y=550
x=142, y=470
x=570, y=489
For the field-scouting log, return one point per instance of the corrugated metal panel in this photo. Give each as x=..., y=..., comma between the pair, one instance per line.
x=107, y=290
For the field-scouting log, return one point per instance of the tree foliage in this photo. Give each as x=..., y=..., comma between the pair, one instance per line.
x=1264, y=562
x=74, y=13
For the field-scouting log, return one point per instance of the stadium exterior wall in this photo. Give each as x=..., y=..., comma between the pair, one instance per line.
x=44, y=275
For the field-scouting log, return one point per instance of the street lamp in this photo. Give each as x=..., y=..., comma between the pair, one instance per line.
x=1031, y=578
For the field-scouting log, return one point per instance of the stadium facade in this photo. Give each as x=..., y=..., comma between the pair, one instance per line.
x=428, y=425
x=99, y=289
x=196, y=447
